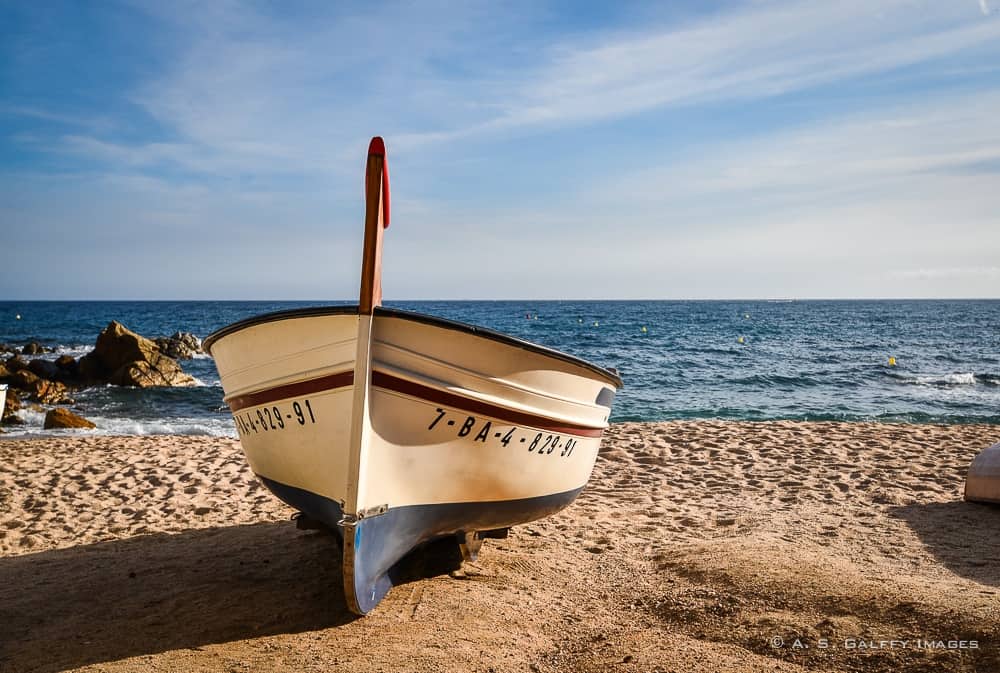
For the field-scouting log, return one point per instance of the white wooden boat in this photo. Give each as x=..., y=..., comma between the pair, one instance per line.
x=394, y=428
x=982, y=484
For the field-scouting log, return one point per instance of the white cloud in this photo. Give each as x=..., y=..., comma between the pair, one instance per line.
x=874, y=151
x=831, y=207
x=273, y=94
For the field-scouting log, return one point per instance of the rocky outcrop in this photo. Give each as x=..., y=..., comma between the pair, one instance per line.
x=38, y=389
x=122, y=357
x=63, y=418
x=118, y=346
x=180, y=345
x=162, y=371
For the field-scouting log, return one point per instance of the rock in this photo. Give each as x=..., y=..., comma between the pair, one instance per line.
x=89, y=368
x=181, y=345
x=125, y=358
x=39, y=389
x=16, y=363
x=50, y=392
x=118, y=346
x=4, y=372
x=161, y=371
x=67, y=363
x=24, y=379
x=10, y=407
x=35, y=348
x=63, y=418
x=45, y=369
x=68, y=368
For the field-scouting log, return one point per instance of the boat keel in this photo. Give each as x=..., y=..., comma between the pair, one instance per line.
x=373, y=546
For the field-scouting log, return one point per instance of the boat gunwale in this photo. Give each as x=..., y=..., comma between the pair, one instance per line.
x=318, y=311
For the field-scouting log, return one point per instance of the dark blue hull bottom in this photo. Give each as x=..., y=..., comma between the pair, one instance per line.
x=374, y=546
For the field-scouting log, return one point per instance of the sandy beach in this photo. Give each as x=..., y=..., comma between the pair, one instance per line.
x=697, y=546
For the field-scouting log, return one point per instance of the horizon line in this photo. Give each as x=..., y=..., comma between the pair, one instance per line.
x=519, y=299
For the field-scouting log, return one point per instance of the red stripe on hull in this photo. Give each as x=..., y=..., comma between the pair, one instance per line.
x=426, y=393
x=322, y=384
x=390, y=382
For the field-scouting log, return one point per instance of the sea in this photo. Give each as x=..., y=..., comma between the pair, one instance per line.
x=923, y=361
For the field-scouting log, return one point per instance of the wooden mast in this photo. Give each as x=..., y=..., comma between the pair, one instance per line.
x=376, y=220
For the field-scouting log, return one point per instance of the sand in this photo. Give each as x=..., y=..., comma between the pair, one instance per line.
x=697, y=546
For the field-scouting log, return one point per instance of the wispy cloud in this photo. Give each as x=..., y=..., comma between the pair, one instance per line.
x=91, y=123
x=949, y=273
x=266, y=92
x=873, y=151
x=765, y=49
x=252, y=120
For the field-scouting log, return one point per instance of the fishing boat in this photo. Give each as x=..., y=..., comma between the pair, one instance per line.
x=982, y=483
x=394, y=428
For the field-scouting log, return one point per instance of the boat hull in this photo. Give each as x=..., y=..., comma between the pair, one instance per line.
x=462, y=430
x=373, y=546
x=982, y=484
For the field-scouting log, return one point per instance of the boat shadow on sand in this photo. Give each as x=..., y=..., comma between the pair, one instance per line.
x=112, y=600
x=963, y=536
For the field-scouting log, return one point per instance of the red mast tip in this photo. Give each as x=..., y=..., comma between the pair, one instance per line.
x=376, y=146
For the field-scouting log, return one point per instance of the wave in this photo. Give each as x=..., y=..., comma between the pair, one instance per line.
x=778, y=380
x=742, y=414
x=58, y=351
x=34, y=422
x=77, y=351
x=947, y=380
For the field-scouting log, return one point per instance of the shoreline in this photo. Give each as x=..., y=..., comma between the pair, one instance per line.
x=695, y=545
x=75, y=433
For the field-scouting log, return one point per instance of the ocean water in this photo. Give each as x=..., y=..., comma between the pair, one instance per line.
x=756, y=360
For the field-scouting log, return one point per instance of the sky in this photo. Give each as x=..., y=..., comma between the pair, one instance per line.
x=537, y=150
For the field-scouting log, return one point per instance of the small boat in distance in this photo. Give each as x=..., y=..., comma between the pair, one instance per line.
x=395, y=428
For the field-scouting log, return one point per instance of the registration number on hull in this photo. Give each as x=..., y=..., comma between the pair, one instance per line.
x=485, y=431
x=274, y=417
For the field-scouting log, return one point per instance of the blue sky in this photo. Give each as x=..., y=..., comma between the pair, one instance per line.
x=537, y=150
